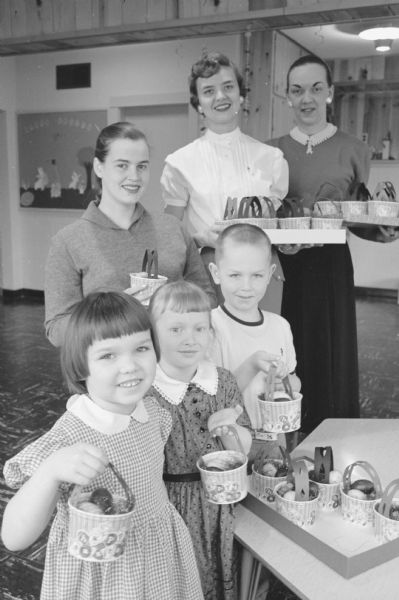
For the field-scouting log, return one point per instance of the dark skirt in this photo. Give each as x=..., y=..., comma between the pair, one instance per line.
x=319, y=303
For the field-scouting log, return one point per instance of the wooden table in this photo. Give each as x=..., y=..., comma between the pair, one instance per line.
x=373, y=440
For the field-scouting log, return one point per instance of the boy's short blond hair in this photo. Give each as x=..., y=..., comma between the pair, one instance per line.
x=242, y=233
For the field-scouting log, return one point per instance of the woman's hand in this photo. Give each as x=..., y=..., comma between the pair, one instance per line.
x=388, y=234
x=77, y=464
x=208, y=237
x=295, y=248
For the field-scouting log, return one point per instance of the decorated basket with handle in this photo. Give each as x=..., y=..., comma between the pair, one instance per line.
x=386, y=513
x=358, y=497
x=384, y=202
x=148, y=278
x=356, y=207
x=292, y=214
x=224, y=473
x=99, y=521
x=326, y=478
x=280, y=411
x=253, y=210
x=326, y=210
x=269, y=468
x=297, y=498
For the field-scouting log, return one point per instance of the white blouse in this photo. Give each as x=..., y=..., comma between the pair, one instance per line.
x=203, y=174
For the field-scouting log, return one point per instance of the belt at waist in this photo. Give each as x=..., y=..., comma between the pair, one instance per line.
x=181, y=477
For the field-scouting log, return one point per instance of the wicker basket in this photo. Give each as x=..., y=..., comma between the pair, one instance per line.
x=147, y=285
x=294, y=223
x=356, y=510
x=99, y=537
x=387, y=528
x=377, y=209
x=326, y=223
x=262, y=222
x=353, y=209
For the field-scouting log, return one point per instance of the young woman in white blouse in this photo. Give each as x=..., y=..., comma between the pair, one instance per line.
x=224, y=162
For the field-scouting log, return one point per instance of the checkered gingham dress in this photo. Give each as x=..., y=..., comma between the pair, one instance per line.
x=211, y=526
x=158, y=562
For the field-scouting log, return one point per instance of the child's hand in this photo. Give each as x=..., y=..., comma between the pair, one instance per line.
x=77, y=464
x=262, y=361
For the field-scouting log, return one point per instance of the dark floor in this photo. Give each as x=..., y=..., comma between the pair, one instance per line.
x=32, y=396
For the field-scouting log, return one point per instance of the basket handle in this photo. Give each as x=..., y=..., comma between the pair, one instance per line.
x=323, y=462
x=231, y=430
x=385, y=503
x=301, y=480
x=150, y=264
x=270, y=206
x=270, y=383
x=321, y=196
x=369, y=469
x=292, y=207
x=130, y=499
x=250, y=206
x=287, y=386
x=230, y=211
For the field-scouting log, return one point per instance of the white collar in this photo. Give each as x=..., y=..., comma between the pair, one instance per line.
x=223, y=138
x=206, y=378
x=103, y=420
x=315, y=139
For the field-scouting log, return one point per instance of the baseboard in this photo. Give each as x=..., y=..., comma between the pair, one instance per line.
x=22, y=294
x=379, y=293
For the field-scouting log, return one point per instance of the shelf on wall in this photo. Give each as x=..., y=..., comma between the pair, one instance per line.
x=369, y=86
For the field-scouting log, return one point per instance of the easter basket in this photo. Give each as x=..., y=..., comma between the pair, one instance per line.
x=358, y=498
x=292, y=215
x=326, y=211
x=386, y=513
x=297, y=498
x=99, y=536
x=323, y=475
x=280, y=411
x=148, y=279
x=250, y=211
x=265, y=471
x=383, y=203
x=224, y=473
x=356, y=207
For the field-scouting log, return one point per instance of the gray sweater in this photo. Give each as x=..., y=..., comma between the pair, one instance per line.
x=93, y=253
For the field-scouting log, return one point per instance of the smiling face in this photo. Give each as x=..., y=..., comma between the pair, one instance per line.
x=124, y=173
x=219, y=100
x=309, y=93
x=243, y=272
x=183, y=340
x=121, y=371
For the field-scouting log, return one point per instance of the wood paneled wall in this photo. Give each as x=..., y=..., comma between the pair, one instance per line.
x=22, y=18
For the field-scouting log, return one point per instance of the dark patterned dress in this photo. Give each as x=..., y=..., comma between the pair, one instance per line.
x=211, y=525
x=319, y=290
x=158, y=561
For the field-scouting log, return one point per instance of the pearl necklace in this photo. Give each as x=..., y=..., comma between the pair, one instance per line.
x=315, y=139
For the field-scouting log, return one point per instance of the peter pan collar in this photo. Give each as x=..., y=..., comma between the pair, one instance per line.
x=103, y=420
x=206, y=378
x=223, y=138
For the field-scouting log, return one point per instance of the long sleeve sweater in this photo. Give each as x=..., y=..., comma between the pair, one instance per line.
x=94, y=253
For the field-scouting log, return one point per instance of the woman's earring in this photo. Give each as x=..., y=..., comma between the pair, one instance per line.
x=199, y=109
x=241, y=99
x=328, y=101
x=289, y=103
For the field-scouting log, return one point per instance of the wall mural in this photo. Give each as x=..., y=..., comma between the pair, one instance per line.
x=56, y=153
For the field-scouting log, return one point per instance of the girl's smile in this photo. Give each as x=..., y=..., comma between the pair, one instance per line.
x=121, y=371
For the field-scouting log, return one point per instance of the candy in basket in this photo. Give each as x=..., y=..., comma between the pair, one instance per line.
x=358, y=496
x=327, y=479
x=270, y=467
x=297, y=498
x=99, y=521
x=280, y=411
x=384, y=202
x=147, y=281
x=224, y=473
x=292, y=214
x=327, y=207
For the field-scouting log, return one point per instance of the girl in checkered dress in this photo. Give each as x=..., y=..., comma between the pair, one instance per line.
x=192, y=389
x=108, y=358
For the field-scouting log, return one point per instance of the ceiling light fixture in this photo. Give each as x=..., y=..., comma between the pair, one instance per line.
x=383, y=45
x=380, y=33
